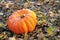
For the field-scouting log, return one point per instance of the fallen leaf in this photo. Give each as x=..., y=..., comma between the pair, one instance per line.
x=1, y=13
x=11, y=38
x=45, y=38
x=59, y=11
x=0, y=0
x=50, y=30
x=1, y=24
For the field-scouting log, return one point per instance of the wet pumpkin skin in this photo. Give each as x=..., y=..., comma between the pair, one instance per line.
x=22, y=21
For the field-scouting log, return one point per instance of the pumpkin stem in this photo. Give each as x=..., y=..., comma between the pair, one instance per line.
x=22, y=16
x=25, y=36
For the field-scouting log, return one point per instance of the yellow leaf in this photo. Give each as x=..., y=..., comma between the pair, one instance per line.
x=50, y=31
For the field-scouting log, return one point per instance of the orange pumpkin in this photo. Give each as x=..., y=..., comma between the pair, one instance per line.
x=22, y=21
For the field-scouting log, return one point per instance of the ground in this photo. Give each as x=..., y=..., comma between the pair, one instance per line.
x=48, y=19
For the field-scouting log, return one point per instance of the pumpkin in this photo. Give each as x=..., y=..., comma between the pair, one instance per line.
x=22, y=21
